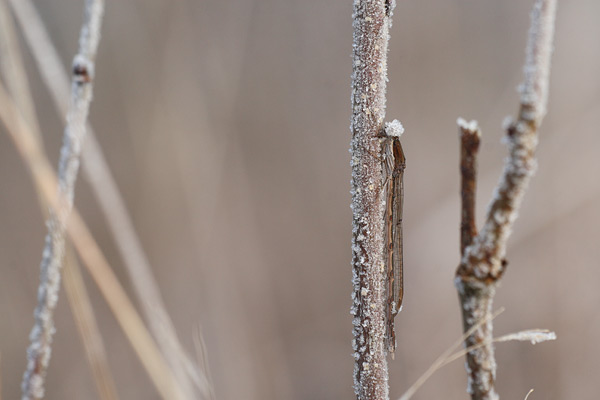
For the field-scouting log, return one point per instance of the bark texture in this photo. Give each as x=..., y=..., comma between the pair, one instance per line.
x=371, y=22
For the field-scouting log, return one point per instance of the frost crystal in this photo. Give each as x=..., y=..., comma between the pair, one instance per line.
x=470, y=126
x=394, y=128
x=534, y=336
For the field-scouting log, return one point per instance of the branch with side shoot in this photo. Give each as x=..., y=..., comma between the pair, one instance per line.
x=483, y=263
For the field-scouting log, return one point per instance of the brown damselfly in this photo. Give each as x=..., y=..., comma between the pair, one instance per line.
x=394, y=164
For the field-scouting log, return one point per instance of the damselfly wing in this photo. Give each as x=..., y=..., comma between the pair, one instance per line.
x=394, y=163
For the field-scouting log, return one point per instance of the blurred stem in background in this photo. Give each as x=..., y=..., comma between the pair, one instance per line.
x=87, y=326
x=38, y=353
x=13, y=71
x=130, y=321
x=96, y=170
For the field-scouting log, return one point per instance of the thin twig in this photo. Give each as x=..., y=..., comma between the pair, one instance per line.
x=38, y=353
x=483, y=263
x=129, y=320
x=441, y=360
x=202, y=359
x=18, y=85
x=470, y=136
x=534, y=336
x=96, y=170
x=88, y=328
x=371, y=22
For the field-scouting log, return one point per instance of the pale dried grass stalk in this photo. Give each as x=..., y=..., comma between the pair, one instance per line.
x=483, y=263
x=13, y=68
x=442, y=359
x=202, y=359
x=88, y=328
x=97, y=265
x=533, y=335
x=96, y=170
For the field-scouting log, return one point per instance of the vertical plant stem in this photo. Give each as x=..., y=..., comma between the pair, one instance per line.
x=371, y=22
x=38, y=353
x=483, y=264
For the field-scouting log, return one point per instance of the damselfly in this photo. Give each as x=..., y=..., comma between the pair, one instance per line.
x=394, y=163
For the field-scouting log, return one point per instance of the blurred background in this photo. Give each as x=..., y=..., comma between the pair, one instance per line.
x=226, y=125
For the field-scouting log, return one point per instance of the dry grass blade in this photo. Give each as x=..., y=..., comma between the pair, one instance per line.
x=112, y=204
x=202, y=358
x=440, y=361
x=88, y=328
x=533, y=335
x=13, y=68
x=528, y=393
x=130, y=321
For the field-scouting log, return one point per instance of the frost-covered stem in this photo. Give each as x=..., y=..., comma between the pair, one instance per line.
x=38, y=353
x=371, y=22
x=483, y=263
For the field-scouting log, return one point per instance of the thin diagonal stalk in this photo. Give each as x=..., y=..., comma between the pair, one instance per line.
x=439, y=362
x=13, y=68
x=483, y=264
x=371, y=22
x=18, y=85
x=96, y=170
x=46, y=181
x=38, y=353
x=88, y=328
